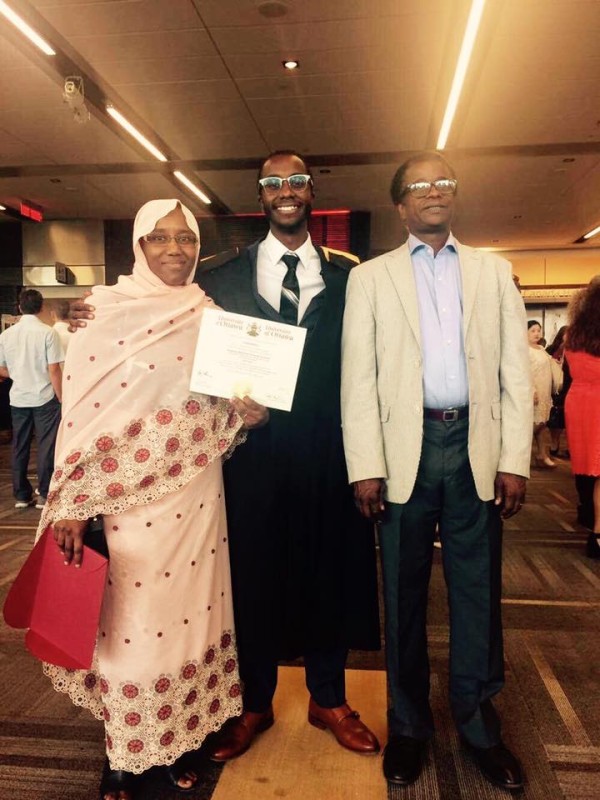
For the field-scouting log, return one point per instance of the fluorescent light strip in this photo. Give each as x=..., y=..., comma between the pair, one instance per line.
x=26, y=29
x=461, y=70
x=192, y=187
x=118, y=117
x=592, y=233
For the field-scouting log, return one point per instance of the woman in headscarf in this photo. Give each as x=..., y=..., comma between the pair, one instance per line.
x=137, y=448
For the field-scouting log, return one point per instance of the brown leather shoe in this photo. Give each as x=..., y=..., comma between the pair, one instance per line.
x=237, y=734
x=345, y=725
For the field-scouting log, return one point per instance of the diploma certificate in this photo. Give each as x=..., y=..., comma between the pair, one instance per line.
x=238, y=355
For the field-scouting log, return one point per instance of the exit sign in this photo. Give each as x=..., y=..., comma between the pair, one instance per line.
x=31, y=211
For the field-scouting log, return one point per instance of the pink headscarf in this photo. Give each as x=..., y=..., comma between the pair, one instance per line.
x=131, y=430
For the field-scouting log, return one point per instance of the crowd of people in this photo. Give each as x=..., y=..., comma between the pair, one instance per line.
x=240, y=536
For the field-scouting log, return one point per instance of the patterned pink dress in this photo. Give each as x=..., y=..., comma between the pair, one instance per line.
x=136, y=447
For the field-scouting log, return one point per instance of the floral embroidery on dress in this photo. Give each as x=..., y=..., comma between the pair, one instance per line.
x=171, y=447
x=155, y=724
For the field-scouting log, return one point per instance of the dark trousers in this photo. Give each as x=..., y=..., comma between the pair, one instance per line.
x=325, y=678
x=471, y=534
x=44, y=420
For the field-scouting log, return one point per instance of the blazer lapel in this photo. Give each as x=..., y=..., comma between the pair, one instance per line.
x=399, y=267
x=470, y=270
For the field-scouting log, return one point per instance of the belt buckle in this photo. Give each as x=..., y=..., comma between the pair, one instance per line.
x=450, y=415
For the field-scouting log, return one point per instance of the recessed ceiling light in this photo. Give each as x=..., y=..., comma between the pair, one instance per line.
x=55, y=180
x=291, y=64
x=2, y=208
x=568, y=160
x=271, y=9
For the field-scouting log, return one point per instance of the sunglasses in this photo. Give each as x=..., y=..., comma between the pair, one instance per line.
x=422, y=188
x=296, y=183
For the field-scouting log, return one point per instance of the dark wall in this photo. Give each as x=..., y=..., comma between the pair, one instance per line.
x=349, y=231
x=11, y=265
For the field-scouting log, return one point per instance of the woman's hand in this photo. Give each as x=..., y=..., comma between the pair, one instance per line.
x=68, y=535
x=253, y=414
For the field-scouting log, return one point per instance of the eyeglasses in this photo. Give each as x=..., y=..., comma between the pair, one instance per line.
x=296, y=183
x=422, y=188
x=162, y=238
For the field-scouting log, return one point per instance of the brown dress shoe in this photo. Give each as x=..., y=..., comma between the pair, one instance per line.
x=345, y=725
x=238, y=733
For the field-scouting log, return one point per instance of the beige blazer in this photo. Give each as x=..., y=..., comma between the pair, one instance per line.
x=382, y=375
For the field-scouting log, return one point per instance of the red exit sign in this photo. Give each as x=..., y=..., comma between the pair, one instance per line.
x=31, y=211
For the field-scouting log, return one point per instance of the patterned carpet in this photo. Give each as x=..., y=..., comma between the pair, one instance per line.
x=50, y=750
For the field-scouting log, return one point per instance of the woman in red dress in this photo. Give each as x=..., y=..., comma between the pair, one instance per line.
x=582, y=407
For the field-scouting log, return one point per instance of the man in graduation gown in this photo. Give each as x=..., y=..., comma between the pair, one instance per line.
x=302, y=559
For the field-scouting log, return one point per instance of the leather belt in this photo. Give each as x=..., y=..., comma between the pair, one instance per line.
x=446, y=414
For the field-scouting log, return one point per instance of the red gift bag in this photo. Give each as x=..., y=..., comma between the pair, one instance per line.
x=59, y=604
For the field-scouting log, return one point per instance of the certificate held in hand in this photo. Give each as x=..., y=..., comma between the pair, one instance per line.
x=60, y=605
x=237, y=355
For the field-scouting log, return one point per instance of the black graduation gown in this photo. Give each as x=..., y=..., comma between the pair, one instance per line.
x=302, y=557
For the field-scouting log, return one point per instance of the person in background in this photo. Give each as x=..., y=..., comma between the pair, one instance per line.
x=541, y=366
x=60, y=316
x=582, y=406
x=437, y=420
x=556, y=421
x=31, y=355
x=137, y=447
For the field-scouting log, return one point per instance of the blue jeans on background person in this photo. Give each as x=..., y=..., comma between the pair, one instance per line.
x=44, y=420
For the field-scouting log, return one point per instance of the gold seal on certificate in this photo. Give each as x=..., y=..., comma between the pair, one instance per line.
x=238, y=355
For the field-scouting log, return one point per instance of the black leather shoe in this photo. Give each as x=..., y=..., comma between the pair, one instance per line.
x=403, y=759
x=498, y=765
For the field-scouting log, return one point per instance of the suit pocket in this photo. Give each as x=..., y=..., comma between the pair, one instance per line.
x=384, y=413
x=496, y=411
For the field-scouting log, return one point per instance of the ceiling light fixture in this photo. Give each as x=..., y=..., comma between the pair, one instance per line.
x=118, y=117
x=2, y=208
x=26, y=29
x=461, y=70
x=192, y=187
x=593, y=232
x=291, y=64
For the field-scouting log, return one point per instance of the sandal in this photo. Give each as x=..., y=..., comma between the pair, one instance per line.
x=180, y=771
x=115, y=781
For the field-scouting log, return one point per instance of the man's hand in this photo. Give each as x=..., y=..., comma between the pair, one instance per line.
x=79, y=312
x=368, y=496
x=68, y=535
x=253, y=414
x=509, y=493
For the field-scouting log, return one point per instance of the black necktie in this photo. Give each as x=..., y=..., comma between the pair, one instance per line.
x=290, y=290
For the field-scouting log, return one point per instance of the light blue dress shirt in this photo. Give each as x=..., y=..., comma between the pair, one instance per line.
x=439, y=293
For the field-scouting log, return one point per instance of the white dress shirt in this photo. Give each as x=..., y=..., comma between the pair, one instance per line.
x=271, y=271
x=26, y=349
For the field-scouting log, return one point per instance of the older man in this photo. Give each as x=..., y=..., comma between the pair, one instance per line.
x=437, y=421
